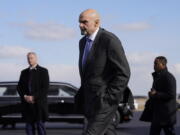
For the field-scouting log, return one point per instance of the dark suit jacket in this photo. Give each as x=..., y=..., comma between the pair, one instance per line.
x=164, y=102
x=105, y=75
x=39, y=85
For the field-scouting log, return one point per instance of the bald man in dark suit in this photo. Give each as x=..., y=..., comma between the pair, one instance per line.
x=104, y=73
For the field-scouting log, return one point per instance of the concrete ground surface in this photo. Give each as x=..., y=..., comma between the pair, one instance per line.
x=134, y=127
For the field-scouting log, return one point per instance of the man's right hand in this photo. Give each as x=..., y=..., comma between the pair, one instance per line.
x=29, y=99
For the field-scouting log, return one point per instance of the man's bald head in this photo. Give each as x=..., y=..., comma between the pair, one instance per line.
x=91, y=13
x=89, y=21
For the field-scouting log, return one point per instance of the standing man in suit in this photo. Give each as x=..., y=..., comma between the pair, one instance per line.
x=32, y=88
x=163, y=97
x=104, y=72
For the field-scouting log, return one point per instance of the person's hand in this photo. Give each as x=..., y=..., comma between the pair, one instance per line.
x=29, y=99
x=152, y=92
x=26, y=98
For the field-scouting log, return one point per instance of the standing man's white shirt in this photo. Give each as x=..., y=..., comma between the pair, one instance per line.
x=93, y=36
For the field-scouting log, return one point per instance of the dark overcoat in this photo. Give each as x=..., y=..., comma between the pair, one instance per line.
x=164, y=102
x=39, y=87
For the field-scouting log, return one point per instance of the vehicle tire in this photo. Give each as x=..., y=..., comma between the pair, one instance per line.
x=117, y=119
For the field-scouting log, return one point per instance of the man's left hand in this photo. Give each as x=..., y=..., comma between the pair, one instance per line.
x=152, y=93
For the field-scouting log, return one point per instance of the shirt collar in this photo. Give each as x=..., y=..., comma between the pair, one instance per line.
x=93, y=36
x=33, y=67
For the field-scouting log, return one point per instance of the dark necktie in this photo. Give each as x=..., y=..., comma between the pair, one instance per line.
x=30, y=80
x=86, y=51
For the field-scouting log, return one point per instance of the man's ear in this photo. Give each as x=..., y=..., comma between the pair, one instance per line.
x=97, y=22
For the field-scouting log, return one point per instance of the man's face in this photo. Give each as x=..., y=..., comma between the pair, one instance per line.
x=87, y=25
x=158, y=65
x=32, y=59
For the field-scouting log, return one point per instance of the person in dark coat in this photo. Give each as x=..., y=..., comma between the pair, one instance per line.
x=163, y=99
x=32, y=88
x=104, y=73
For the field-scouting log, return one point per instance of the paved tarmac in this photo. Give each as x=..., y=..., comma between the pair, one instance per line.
x=134, y=127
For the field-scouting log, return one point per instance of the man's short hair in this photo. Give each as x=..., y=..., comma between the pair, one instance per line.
x=29, y=53
x=162, y=59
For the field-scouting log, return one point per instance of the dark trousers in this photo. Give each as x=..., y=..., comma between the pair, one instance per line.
x=31, y=128
x=156, y=129
x=102, y=123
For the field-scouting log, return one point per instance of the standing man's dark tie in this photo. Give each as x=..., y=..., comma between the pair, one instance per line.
x=30, y=80
x=86, y=51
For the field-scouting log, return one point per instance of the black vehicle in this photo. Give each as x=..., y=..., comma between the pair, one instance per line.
x=60, y=104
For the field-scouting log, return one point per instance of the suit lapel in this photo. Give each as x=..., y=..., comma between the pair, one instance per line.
x=90, y=55
x=82, y=46
x=92, y=51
